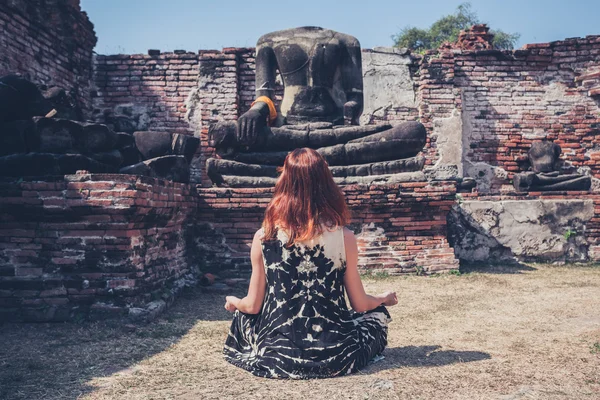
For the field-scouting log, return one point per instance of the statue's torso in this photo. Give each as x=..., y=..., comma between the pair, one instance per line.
x=544, y=156
x=308, y=61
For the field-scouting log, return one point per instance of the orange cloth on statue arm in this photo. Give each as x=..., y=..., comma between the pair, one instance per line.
x=272, y=110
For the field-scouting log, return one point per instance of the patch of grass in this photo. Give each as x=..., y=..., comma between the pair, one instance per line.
x=33, y=365
x=570, y=233
x=595, y=348
x=161, y=331
x=419, y=270
x=455, y=272
x=377, y=275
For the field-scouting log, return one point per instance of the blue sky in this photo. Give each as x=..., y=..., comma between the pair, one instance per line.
x=134, y=26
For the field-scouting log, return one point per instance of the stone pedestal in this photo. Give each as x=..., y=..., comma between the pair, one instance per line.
x=538, y=227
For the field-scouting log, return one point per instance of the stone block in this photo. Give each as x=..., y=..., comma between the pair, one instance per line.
x=30, y=164
x=124, y=140
x=55, y=135
x=71, y=163
x=130, y=155
x=153, y=144
x=14, y=136
x=95, y=138
x=524, y=230
x=112, y=158
x=137, y=169
x=185, y=145
x=174, y=168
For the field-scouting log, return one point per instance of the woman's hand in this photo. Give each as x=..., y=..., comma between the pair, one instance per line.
x=389, y=299
x=230, y=303
x=251, y=123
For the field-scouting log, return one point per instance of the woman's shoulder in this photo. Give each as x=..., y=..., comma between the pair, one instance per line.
x=348, y=234
x=259, y=234
x=346, y=230
x=279, y=235
x=336, y=231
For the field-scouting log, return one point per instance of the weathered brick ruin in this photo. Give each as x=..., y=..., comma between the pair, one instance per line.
x=90, y=245
x=50, y=42
x=97, y=245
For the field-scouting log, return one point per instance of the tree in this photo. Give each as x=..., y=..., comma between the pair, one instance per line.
x=447, y=29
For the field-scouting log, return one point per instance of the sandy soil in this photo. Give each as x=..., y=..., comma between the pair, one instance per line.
x=529, y=332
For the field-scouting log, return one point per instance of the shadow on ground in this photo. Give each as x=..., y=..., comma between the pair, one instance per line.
x=424, y=356
x=511, y=268
x=54, y=361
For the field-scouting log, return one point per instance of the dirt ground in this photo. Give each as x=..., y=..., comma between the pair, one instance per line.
x=528, y=332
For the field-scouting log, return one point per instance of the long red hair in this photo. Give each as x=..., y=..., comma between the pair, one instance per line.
x=305, y=200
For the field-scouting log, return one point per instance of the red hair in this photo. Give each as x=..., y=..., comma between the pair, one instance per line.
x=305, y=199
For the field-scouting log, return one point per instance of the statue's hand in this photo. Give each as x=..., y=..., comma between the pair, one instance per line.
x=351, y=112
x=249, y=125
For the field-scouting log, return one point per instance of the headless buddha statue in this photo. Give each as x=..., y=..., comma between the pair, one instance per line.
x=544, y=158
x=322, y=101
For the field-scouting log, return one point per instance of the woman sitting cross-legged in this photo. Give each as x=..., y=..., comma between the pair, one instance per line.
x=294, y=322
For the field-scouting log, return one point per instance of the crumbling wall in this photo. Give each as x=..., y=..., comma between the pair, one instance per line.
x=506, y=100
x=94, y=246
x=156, y=85
x=389, y=85
x=50, y=42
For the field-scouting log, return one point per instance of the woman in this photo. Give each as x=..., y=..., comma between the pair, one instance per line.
x=294, y=322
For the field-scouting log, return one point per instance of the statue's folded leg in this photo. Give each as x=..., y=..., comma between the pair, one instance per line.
x=231, y=173
x=265, y=181
x=223, y=135
x=545, y=179
x=380, y=168
x=531, y=181
x=363, y=153
x=265, y=158
x=342, y=134
x=217, y=168
x=402, y=141
x=577, y=182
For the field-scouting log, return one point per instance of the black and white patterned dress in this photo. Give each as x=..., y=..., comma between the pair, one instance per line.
x=305, y=329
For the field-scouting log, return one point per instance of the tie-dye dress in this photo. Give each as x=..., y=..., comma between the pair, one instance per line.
x=305, y=329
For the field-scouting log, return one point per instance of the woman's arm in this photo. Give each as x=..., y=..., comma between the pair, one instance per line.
x=252, y=303
x=359, y=300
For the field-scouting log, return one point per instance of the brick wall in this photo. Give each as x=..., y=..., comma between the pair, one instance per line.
x=107, y=245
x=92, y=245
x=49, y=41
x=159, y=84
x=437, y=97
x=508, y=100
x=401, y=228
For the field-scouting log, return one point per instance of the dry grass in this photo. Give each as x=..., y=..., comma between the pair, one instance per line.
x=514, y=333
